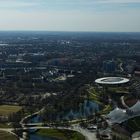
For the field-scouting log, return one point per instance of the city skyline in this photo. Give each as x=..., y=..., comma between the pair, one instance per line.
x=74, y=15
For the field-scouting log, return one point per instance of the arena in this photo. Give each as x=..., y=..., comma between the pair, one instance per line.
x=112, y=80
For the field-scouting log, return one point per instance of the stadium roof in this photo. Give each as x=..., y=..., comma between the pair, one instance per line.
x=112, y=80
x=119, y=115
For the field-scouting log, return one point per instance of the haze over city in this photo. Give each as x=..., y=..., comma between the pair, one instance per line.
x=73, y=15
x=69, y=69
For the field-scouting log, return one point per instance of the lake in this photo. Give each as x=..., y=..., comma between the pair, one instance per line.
x=39, y=137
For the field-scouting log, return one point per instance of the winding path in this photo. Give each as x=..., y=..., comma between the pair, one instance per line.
x=121, y=67
x=75, y=127
x=29, y=116
x=88, y=135
x=123, y=102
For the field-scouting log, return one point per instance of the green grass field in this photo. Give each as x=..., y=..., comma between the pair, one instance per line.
x=6, y=136
x=94, y=95
x=106, y=109
x=61, y=134
x=9, y=109
x=118, y=90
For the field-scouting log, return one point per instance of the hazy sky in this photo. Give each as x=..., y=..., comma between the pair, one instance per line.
x=70, y=15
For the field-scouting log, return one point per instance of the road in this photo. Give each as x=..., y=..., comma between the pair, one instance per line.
x=123, y=102
x=88, y=135
x=121, y=67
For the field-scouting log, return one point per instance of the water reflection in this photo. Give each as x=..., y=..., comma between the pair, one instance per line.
x=39, y=137
x=86, y=109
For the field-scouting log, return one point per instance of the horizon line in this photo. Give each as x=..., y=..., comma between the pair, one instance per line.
x=70, y=31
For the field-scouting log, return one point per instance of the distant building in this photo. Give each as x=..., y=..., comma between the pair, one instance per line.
x=137, y=70
x=137, y=73
x=109, y=66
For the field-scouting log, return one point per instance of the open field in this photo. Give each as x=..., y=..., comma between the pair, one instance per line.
x=6, y=136
x=9, y=109
x=61, y=134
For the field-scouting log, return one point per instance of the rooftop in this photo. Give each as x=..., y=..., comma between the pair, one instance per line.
x=112, y=80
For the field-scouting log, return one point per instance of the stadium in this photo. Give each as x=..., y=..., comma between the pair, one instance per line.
x=111, y=80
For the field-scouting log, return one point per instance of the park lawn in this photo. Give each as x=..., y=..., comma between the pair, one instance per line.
x=5, y=125
x=95, y=98
x=7, y=136
x=61, y=134
x=94, y=95
x=9, y=109
x=93, y=91
x=118, y=90
x=106, y=109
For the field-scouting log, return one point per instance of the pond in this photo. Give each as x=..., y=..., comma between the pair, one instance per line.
x=86, y=109
x=35, y=119
x=39, y=137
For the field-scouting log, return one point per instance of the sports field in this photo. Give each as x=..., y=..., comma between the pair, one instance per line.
x=6, y=136
x=9, y=109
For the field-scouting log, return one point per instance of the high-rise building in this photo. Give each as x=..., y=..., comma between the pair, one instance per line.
x=109, y=66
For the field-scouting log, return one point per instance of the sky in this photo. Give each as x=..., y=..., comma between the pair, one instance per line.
x=70, y=15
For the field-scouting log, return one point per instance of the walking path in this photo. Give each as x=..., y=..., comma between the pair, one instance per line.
x=88, y=135
x=75, y=127
x=29, y=116
x=123, y=102
x=121, y=67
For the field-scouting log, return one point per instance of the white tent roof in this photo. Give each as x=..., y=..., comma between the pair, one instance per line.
x=120, y=115
x=136, y=108
x=117, y=115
